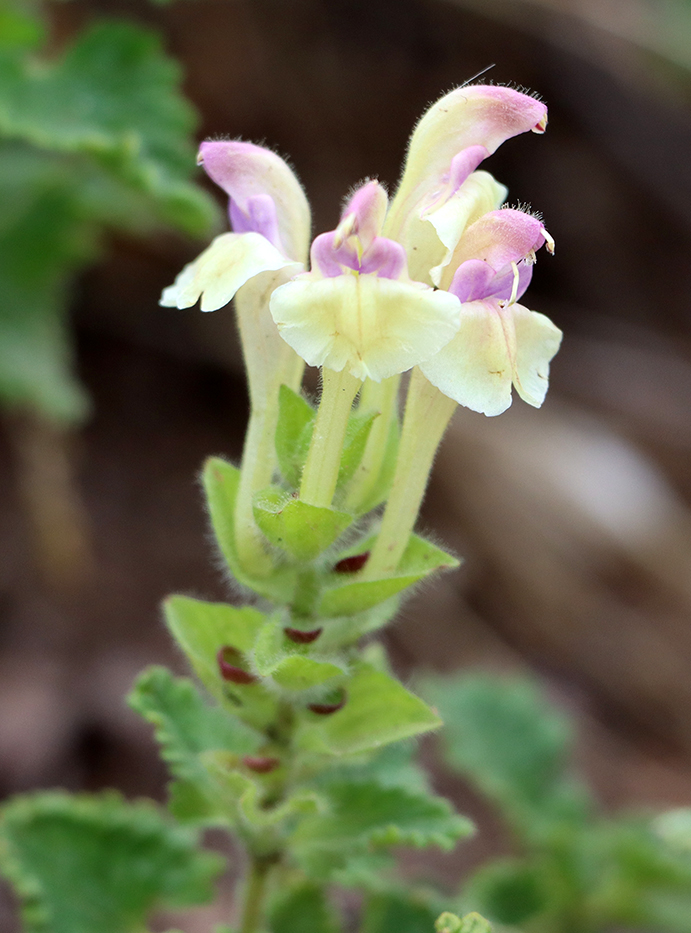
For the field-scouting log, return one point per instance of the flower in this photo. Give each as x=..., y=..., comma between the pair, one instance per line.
x=358, y=309
x=499, y=342
x=431, y=279
x=365, y=309
x=440, y=192
x=270, y=217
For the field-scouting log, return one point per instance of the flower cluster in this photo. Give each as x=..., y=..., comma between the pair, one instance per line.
x=431, y=280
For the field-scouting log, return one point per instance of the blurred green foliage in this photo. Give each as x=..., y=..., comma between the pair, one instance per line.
x=95, y=862
x=577, y=870
x=95, y=138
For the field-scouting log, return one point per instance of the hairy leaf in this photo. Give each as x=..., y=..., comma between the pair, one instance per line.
x=365, y=814
x=419, y=560
x=357, y=433
x=187, y=729
x=293, y=434
x=303, y=531
x=114, y=97
x=96, y=864
x=502, y=735
x=288, y=664
x=378, y=710
x=221, y=482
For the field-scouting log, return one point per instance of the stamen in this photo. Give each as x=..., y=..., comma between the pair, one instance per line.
x=346, y=228
x=514, y=287
x=549, y=242
x=541, y=126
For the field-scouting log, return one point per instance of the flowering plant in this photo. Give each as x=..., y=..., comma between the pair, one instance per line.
x=301, y=752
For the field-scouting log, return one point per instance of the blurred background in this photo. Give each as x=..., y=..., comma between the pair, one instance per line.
x=574, y=521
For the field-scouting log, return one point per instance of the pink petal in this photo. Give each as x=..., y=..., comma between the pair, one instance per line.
x=254, y=177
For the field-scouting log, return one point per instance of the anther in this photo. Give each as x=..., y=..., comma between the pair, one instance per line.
x=549, y=242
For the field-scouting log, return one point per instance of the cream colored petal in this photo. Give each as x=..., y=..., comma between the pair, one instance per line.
x=485, y=115
x=373, y=327
x=431, y=238
x=478, y=195
x=231, y=260
x=537, y=341
x=475, y=368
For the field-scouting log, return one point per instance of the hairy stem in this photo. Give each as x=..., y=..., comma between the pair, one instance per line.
x=427, y=415
x=320, y=475
x=255, y=894
x=381, y=397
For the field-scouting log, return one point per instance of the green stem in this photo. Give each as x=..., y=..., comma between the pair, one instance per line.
x=320, y=475
x=255, y=895
x=427, y=414
x=270, y=362
x=381, y=397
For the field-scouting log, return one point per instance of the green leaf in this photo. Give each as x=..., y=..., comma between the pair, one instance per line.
x=293, y=434
x=391, y=766
x=98, y=137
x=186, y=728
x=420, y=559
x=303, y=909
x=43, y=240
x=509, y=891
x=347, y=630
x=303, y=531
x=361, y=815
x=287, y=664
x=113, y=96
x=202, y=629
x=514, y=747
x=357, y=432
x=221, y=482
x=398, y=912
x=96, y=864
x=378, y=710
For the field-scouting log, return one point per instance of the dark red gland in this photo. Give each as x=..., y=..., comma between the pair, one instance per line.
x=325, y=709
x=303, y=638
x=231, y=671
x=262, y=764
x=352, y=564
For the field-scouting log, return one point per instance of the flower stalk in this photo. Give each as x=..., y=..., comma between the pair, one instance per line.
x=381, y=397
x=269, y=363
x=427, y=414
x=320, y=475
